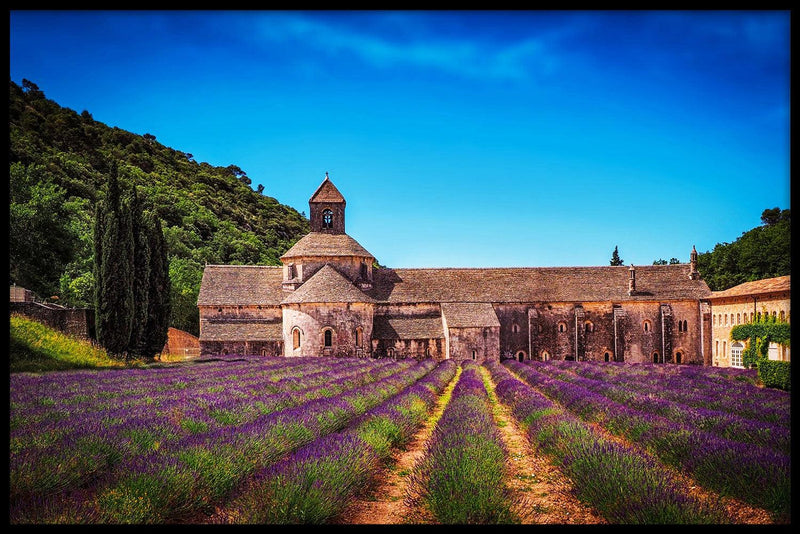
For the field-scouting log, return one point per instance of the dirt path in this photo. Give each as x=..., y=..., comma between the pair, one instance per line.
x=542, y=493
x=385, y=503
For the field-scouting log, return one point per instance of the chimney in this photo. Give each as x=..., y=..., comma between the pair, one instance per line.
x=693, y=274
x=632, y=281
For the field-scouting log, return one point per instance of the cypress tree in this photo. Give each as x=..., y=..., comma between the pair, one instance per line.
x=114, y=270
x=159, y=309
x=141, y=276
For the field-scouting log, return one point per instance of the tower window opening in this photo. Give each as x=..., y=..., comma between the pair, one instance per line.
x=327, y=219
x=328, y=338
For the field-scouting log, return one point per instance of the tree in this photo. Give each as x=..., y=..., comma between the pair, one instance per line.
x=159, y=306
x=615, y=259
x=141, y=275
x=114, y=256
x=660, y=261
x=674, y=261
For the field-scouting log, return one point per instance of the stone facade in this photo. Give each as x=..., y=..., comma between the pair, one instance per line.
x=328, y=299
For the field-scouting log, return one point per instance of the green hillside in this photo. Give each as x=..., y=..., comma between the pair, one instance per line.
x=59, y=162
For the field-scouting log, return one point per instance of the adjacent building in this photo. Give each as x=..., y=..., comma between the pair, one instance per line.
x=743, y=304
x=330, y=298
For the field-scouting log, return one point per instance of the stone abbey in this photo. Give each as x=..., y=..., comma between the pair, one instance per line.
x=329, y=299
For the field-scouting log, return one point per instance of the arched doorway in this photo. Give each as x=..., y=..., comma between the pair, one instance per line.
x=521, y=355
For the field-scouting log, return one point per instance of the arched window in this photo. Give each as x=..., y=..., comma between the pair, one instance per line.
x=521, y=355
x=714, y=318
x=562, y=327
x=359, y=335
x=655, y=357
x=390, y=352
x=678, y=357
x=716, y=348
x=428, y=352
x=736, y=355
x=606, y=356
x=680, y=326
x=296, y=338
x=515, y=328
x=328, y=337
x=474, y=354
x=738, y=318
x=685, y=326
x=327, y=219
x=545, y=355
x=588, y=326
x=646, y=326
x=751, y=317
x=782, y=316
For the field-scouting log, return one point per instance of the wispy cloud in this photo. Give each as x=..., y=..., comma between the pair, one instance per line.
x=474, y=58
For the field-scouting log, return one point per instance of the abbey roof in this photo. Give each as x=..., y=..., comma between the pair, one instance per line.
x=410, y=327
x=326, y=285
x=469, y=314
x=241, y=285
x=324, y=244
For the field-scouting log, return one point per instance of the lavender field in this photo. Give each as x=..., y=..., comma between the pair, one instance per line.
x=260, y=440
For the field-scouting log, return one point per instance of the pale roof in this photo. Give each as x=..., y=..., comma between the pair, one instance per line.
x=242, y=285
x=325, y=244
x=419, y=327
x=326, y=285
x=469, y=314
x=241, y=331
x=757, y=287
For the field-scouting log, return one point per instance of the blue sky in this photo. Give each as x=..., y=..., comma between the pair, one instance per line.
x=459, y=139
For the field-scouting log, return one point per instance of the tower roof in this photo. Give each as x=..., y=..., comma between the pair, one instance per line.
x=327, y=285
x=320, y=244
x=327, y=192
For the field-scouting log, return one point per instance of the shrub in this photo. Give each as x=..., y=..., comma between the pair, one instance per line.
x=775, y=374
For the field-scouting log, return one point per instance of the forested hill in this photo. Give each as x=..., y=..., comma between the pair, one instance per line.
x=59, y=162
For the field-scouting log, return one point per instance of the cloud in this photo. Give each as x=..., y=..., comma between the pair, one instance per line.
x=473, y=57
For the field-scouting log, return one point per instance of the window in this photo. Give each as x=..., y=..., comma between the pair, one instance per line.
x=474, y=354
x=390, y=352
x=714, y=317
x=359, y=334
x=328, y=338
x=521, y=355
x=685, y=324
x=515, y=328
x=545, y=355
x=678, y=357
x=738, y=318
x=292, y=272
x=606, y=356
x=680, y=326
x=655, y=357
x=540, y=328
x=327, y=219
x=736, y=355
x=296, y=338
x=562, y=327
x=646, y=326
x=782, y=316
x=751, y=317
x=588, y=326
x=716, y=348
x=364, y=274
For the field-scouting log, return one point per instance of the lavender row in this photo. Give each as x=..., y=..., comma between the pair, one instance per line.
x=756, y=475
x=624, y=484
x=724, y=424
x=316, y=482
x=694, y=386
x=89, y=443
x=101, y=452
x=460, y=477
x=53, y=421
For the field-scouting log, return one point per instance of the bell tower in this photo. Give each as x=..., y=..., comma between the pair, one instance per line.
x=327, y=209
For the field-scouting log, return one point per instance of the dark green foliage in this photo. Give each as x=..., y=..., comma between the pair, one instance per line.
x=775, y=374
x=141, y=276
x=60, y=163
x=763, y=252
x=759, y=334
x=114, y=288
x=158, y=285
x=615, y=259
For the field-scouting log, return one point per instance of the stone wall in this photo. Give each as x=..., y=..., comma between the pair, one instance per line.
x=343, y=320
x=76, y=322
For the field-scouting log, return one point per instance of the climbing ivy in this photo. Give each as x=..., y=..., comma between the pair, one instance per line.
x=759, y=334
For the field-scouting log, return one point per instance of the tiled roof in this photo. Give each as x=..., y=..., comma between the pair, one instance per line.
x=324, y=244
x=421, y=327
x=327, y=192
x=535, y=284
x=326, y=285
x=469, y=314
x=241, y=331
x=257, y=285
x=242, y=285
x=767, y=285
